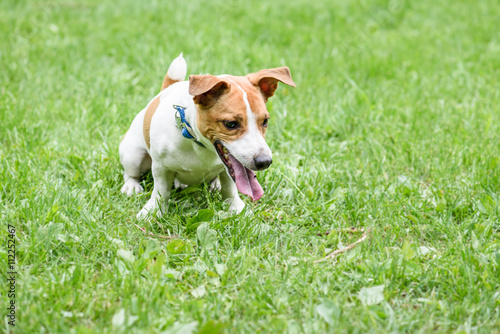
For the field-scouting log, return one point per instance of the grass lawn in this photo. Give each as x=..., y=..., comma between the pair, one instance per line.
x=393, y=128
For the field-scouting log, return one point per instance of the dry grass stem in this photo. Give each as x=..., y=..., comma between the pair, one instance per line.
x=345, y=249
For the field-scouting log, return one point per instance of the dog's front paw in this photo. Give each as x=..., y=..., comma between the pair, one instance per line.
x=215, y=185
x=131, y=186
x=236, y=206
x=143, y=214
x=152, y=208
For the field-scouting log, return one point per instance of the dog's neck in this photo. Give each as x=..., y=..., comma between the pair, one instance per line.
x=190, y=115
x=184, y=126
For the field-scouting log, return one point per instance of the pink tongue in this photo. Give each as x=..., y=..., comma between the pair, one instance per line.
x=246, y=181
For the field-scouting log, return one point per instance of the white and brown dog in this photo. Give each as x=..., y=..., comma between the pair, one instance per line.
x=195, y=131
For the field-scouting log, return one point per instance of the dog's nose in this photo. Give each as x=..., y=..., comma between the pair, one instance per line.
x=262, y=162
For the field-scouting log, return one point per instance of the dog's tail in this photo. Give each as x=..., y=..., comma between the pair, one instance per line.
x=176, y=72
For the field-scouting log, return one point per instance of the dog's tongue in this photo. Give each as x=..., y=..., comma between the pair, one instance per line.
x=246, y=180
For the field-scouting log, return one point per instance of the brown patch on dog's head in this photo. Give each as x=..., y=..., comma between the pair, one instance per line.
x=255, y=100
x=220, y=101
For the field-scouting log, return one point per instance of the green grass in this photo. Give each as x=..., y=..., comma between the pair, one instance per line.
x=394, y=126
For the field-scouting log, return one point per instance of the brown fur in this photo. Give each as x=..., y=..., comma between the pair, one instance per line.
x=146, y=125
x=256, y=101
x=167, y=82
x=219, y=100
x=229, y=107
x=267, y=80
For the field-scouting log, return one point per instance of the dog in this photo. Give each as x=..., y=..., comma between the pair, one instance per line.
x=199, y=130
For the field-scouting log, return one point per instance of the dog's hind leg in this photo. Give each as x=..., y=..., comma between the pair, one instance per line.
x=215, y=185
x=136, y=161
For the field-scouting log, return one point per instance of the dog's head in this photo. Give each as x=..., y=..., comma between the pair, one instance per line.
x=232, y=114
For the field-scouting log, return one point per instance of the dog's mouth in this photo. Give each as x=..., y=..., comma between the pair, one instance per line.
x=245, y=179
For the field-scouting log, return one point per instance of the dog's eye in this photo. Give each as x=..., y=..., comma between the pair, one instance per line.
x=265, y=122
x=231, y=125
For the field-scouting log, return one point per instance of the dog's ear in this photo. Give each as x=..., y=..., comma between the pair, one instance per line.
x=267, y=80
x=206, y=89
